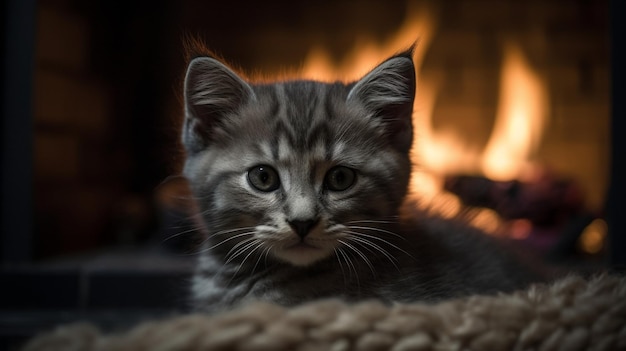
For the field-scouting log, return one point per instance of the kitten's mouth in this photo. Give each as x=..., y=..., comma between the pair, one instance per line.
x=302, y=253
x=302, y=248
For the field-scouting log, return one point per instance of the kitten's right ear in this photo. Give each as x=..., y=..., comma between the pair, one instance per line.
x=213, y=93
x=389, y=91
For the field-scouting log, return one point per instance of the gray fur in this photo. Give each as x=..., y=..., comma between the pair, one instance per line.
x=361, y=245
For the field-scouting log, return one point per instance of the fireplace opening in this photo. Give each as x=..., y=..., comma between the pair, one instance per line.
x=511, y=114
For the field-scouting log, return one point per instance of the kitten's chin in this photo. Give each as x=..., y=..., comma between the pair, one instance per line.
x=302, y=254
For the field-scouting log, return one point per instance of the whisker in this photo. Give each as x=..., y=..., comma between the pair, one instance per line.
x=356, y=273
x=229, y=239
x=265, y=252
x=394, y=217
x=381, y=239
x=222, y=232
x=358, y=252
x=236, y=251
x=187, y=231
x=222, y=242
x=350, y=265
x=356, y=237
x=365, y=242
x=239, y=250
x=256, y=244
x=377, y=230
x=359, y=235
x=372, y=221
x=209, y=236
x=343, y=273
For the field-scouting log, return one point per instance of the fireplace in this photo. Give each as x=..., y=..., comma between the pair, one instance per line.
x=512, y=97
x=512, y=101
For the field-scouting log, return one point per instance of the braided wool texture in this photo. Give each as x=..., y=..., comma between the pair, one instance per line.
x=570, y=314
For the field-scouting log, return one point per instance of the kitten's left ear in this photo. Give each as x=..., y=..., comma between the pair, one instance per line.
x=389, y=91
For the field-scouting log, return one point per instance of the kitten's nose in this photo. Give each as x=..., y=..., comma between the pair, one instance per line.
x=302, y=228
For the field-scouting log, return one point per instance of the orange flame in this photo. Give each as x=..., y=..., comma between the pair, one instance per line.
x=520, y=119
x=516, y=135
x=366, y=53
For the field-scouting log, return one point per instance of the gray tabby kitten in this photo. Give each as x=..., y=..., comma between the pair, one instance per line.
x=300, y=184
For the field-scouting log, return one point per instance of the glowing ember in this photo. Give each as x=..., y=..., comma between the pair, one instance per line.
x=520, y=229
x=593, y=237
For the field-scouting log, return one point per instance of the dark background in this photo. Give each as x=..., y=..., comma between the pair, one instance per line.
x=105, y=106
x=91, y=108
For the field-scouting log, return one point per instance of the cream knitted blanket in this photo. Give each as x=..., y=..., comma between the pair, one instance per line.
x=570, y=314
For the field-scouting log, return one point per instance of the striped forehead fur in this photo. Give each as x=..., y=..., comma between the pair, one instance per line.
x=303, y=113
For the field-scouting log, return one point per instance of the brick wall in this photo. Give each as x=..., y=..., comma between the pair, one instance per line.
x=73, y=110
x=105, y=122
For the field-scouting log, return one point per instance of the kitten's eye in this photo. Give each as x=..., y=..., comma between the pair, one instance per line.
x=340, y=178
x=263, y=178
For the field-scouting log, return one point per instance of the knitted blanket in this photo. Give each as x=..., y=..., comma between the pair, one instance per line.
x=570, y=314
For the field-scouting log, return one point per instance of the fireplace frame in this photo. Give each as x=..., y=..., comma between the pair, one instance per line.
x=617, y=187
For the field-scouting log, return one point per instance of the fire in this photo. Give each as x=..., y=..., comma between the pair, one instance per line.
x=517, y=130
x=366, y=53
x=520, y=119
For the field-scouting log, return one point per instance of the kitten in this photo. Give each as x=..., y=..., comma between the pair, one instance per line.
x=300, y=186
